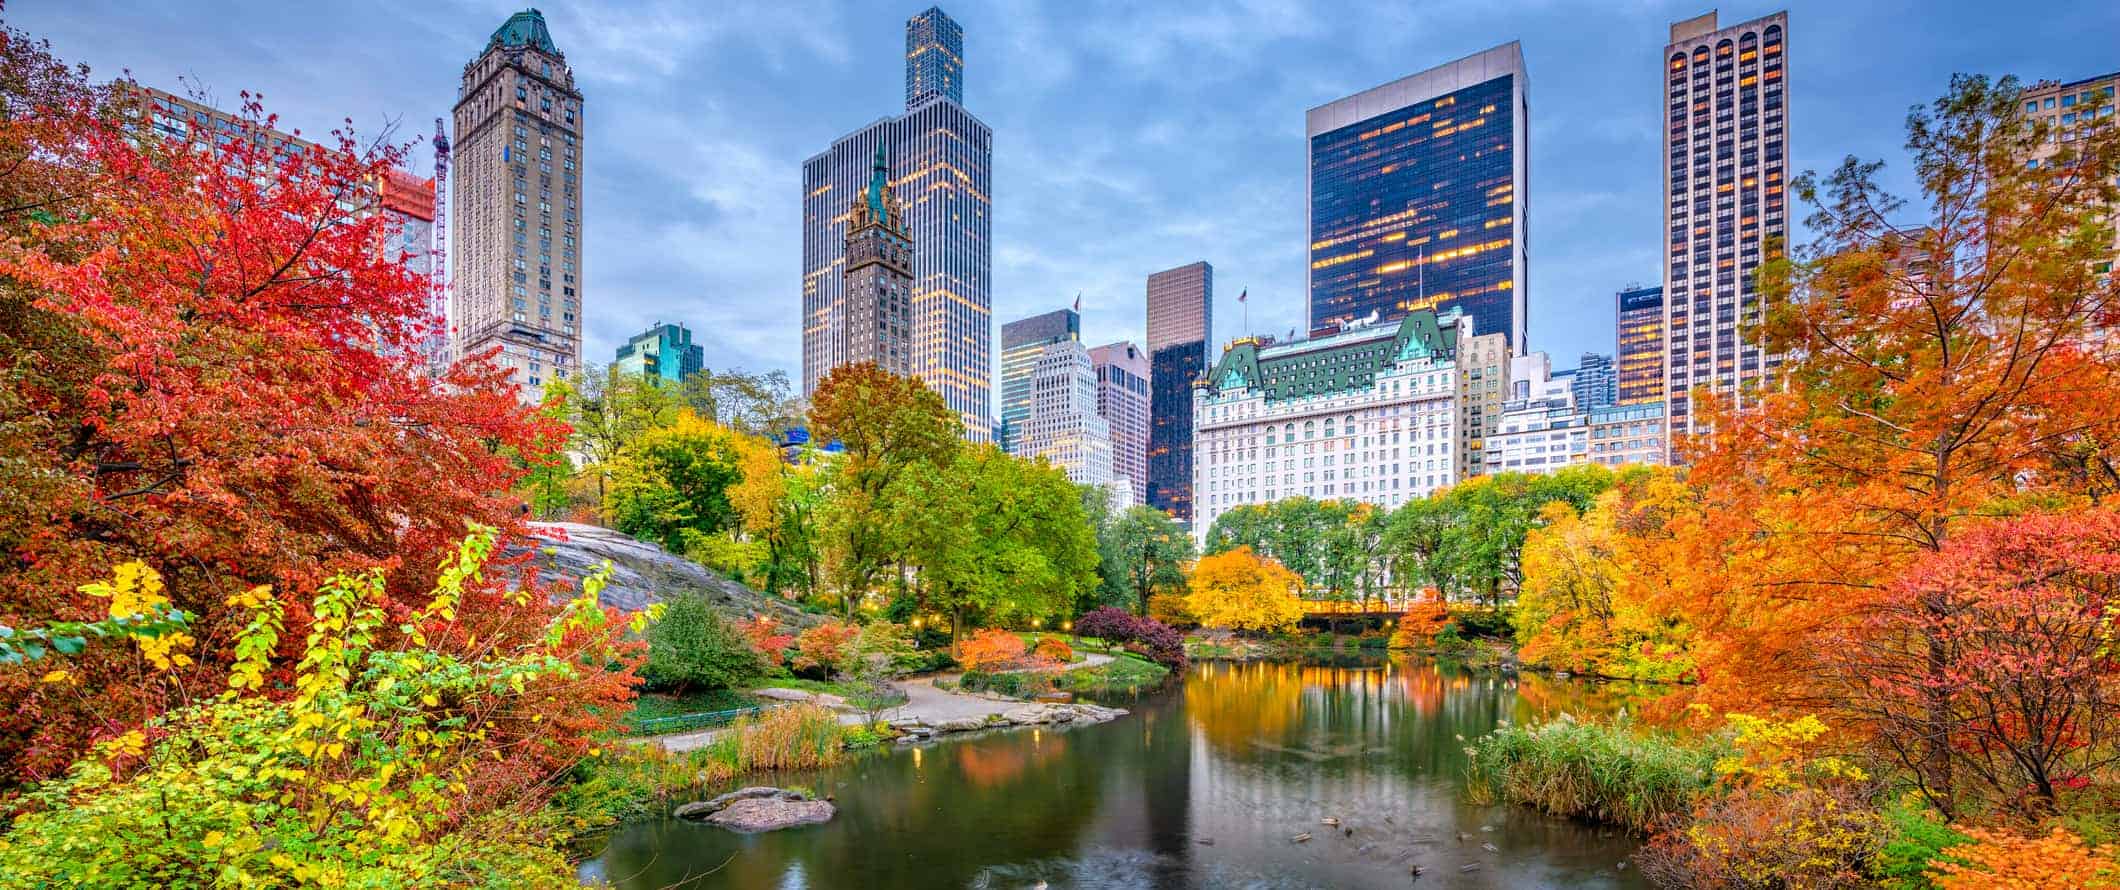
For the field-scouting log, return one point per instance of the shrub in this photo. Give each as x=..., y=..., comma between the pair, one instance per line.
x=1171, y=609
x=765, y=636
x=1108, y=624
x=1418, y=627
x=923, y=661
x=1604, y=772
x=1997, y=860
x=879, y=642
x=825, y=646
x=1800, y=837
x=691, y=647
x=989, y=649
x=1160, y=643
x=1014, y=684
x=1915, y=841
x=1053, y=650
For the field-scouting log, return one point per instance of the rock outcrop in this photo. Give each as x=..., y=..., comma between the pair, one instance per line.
x=758, y=808
x=643, y=573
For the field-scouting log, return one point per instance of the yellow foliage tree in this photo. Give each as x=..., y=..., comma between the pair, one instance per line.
x=1237, y=589
x=1594, y=591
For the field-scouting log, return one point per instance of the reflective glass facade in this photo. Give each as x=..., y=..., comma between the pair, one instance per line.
x=1416, y=208
x=1170, y=434
x=1639, y=359
x=934, y=58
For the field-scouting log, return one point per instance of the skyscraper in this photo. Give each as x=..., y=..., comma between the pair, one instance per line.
x=1122, y=399
x=1181, y=304
x=879, y=276
x=1023, y=342
x=1593, y=383
x=2072, y=108
x=1417, y=197
x=664, y=352
x=1726, y=141
x=1049, y=397
x=1638, y=359
x=516, y=204
x=940, y=160
x=934, y=58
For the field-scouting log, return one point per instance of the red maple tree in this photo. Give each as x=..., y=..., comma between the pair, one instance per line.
x=210, y=365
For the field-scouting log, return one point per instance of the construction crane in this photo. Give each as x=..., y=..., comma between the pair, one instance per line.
x=438, y=298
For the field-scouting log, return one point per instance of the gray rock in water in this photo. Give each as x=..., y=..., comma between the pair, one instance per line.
x=772, y=814
x=643, y=573
x=700, y=809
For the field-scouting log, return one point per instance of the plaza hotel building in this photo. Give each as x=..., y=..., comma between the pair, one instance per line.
x=1367, y=413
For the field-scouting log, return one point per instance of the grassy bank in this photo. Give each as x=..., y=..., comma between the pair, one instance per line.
x=1600, y=772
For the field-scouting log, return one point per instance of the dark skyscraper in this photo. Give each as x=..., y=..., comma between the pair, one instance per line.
x=934, y=58
x=1638, y=361
x=1417, y=197
x=1180, y=322
x=1592, y=383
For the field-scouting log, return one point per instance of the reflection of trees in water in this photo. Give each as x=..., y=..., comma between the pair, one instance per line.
x=1233, y=704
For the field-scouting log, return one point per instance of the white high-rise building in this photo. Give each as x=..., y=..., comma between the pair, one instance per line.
x=1063, y=425
x=1123, y=400
x=1365, y=414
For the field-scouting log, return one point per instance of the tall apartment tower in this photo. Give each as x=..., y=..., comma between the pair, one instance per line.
x=879, y=276
x=1123, y=401
x=2072, y=108
x=1181, y=305
x=941, y=158
x=1638, y=356
x=1417, y=197
x=516, y=240
x=1023, y=342
x=1726, y=140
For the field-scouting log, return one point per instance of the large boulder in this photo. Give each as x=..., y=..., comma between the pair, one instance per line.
x=758, y=808
x=643, y=573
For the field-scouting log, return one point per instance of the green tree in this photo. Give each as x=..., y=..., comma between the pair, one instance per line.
x=673, y=484
x=608, y=411
x=778, y=501
x=762, y=405
x=887, y=425
x=1143, y=553
x=995, y=538
x=692, y=647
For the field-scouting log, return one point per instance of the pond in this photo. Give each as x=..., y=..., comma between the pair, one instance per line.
x=1207, y=784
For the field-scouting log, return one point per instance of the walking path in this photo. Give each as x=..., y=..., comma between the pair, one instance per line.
x=923, y=702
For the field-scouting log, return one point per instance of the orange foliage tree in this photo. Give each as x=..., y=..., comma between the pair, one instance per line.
x=1237, y=589
x=1936, y=374
x=211, y=366
x=1998, y=860
x=989, y=649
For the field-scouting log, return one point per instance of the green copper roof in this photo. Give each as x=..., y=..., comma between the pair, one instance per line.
x=526, y=28
x=1334, y=363
x=879, y=179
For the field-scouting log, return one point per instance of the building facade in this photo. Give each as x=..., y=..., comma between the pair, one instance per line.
x=1181, y=319
x=1539, y=435
x=1621, y=435
x=941, y=161
x=1063, y=426
x=1726, y=140
x=878, y=282
x=1123, y=401
x=1638, y=357
x=1023, y=344
x=1417, y=197
x=2071, y=109
x=516, y=203
x=1482, y=385
x=1593, y=383
x=664, y=353
x=1364, y=414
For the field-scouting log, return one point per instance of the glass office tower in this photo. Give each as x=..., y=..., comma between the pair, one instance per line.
x=1639, y=359
x=1417, y=197
x=1181, y=305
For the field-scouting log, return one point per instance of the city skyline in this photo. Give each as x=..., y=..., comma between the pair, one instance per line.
x=680, y=236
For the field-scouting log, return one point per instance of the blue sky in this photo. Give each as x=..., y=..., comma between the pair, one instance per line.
x=1129, y=136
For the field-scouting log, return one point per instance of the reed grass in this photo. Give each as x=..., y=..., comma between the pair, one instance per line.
x=1610, y=773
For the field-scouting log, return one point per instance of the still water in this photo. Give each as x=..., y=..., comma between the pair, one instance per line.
x=1206, y=785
